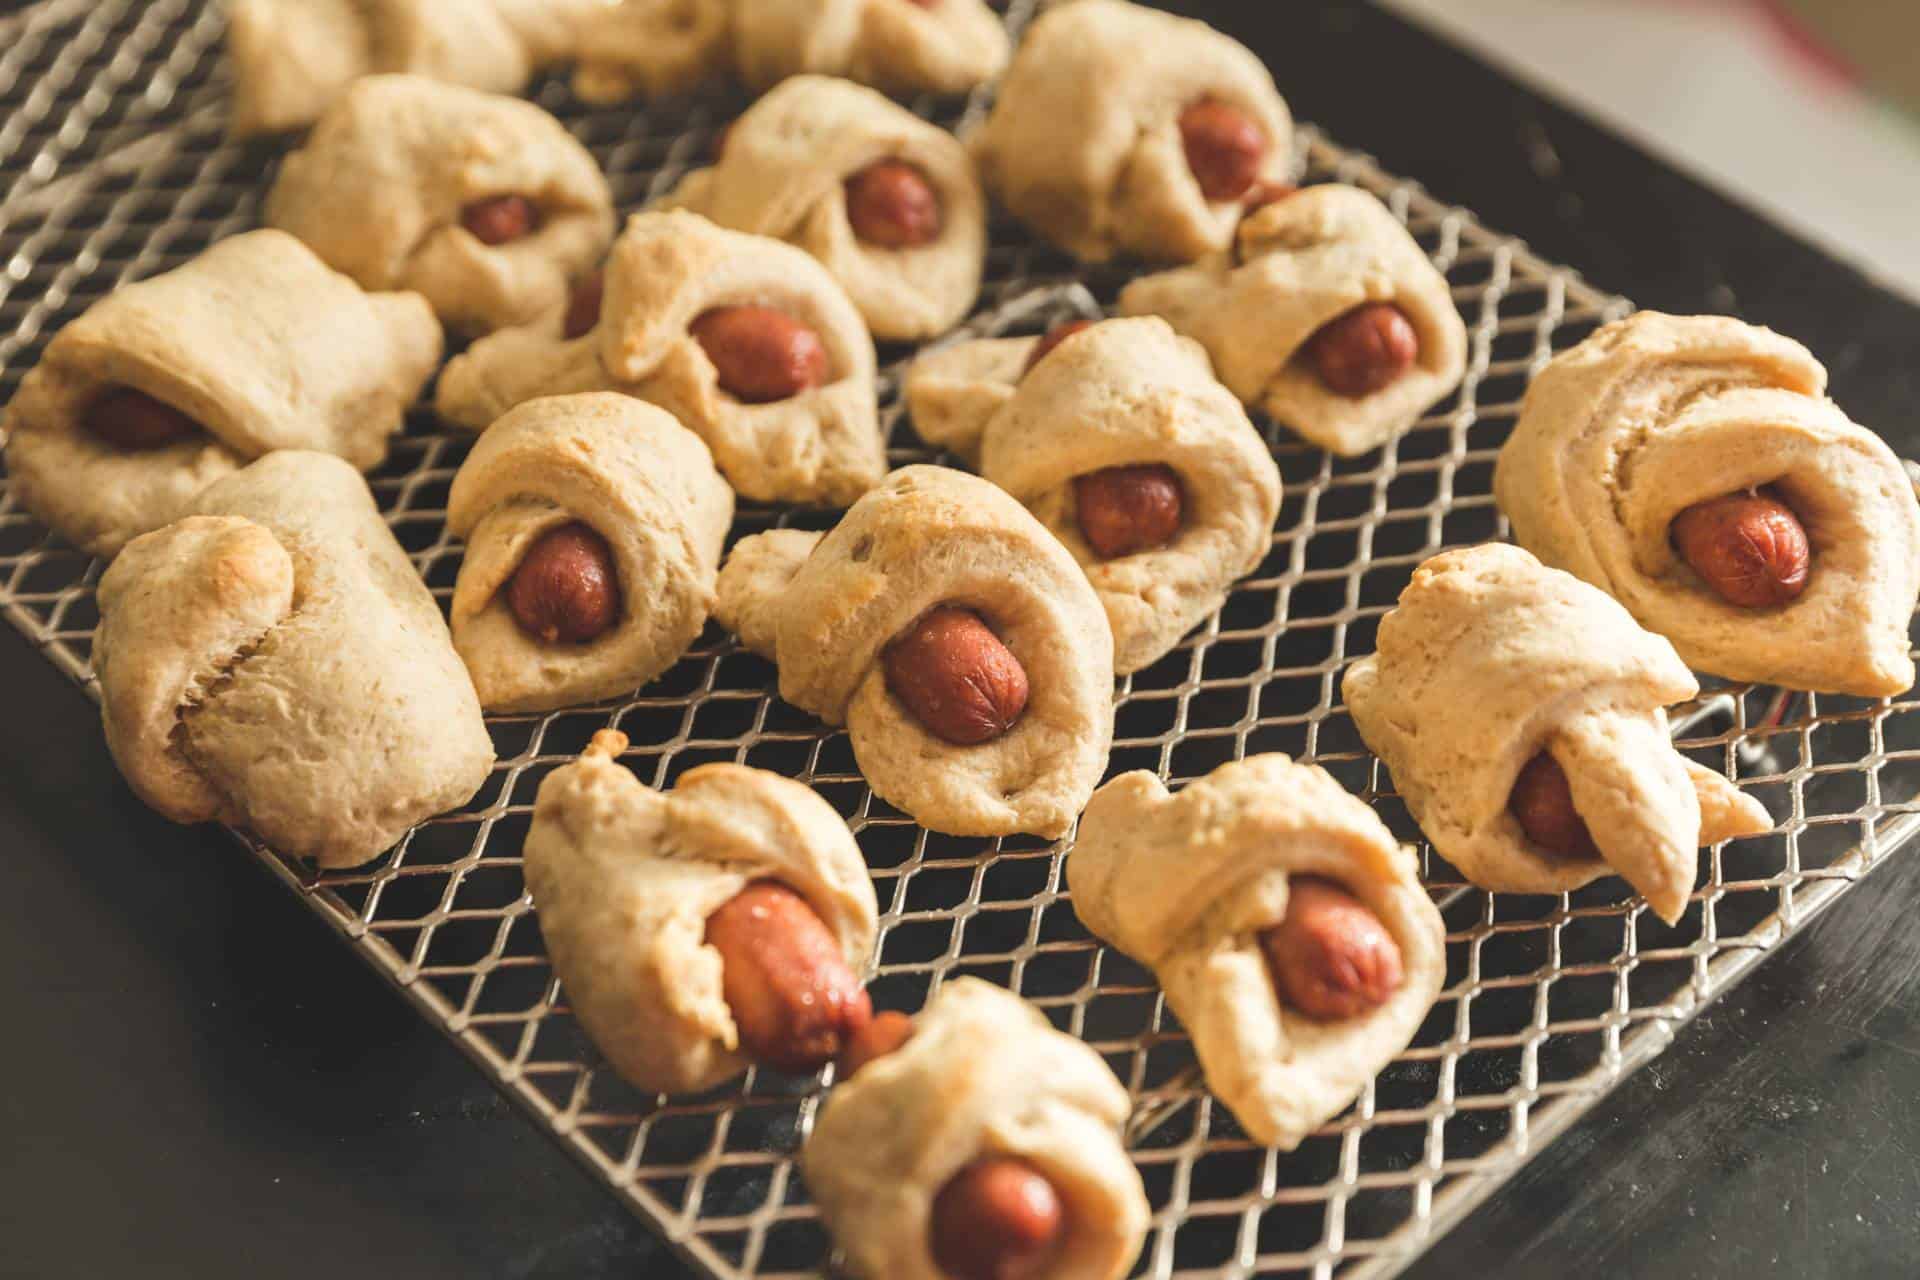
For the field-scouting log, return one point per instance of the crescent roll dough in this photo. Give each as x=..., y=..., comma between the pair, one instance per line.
x=273, y=661
x=784, y=174
x=1655, y=413
x=825, y=608
x=1084, y=142
x=1491, y=658
x=1294, y=266
x=1122, y=393
x=1186, y=884
x=651, y=47
x=379, y=188
x=984, y=1074
x=641, y=481
x=666, y=271
x=257, y=341
x=293, y=58
x=624, y=878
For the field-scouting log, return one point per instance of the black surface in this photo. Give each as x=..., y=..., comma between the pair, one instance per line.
x=196, y=1079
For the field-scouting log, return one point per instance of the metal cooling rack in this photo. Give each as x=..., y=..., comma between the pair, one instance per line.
x=113, y=168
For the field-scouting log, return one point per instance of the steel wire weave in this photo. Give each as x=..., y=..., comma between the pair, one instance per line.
x=114, y=168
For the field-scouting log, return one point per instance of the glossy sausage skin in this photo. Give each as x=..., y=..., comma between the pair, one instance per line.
x=1331, y=957
x=999, y=1218
x=1542, y=803
x=794, y=1001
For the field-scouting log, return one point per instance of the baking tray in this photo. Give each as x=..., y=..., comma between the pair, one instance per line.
x=114, y=167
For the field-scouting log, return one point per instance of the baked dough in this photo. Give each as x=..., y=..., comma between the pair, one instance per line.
x=1084, y=142
x=653, y=47
x=984, y=1074
x=1655, y=413
x=825, y=607
x=378, y=190
x=1490, y=658
x=624, y=878
x=1186, y=884
x=293, y=58
x=642, y=482
x=256, y=340
x=784, y=175
x=273, y=661
x=1122, y=393
x=1294, y=266
x=667, y=269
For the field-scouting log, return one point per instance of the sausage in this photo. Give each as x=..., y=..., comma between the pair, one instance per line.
x=1749, y=548
x=1330, y=956
x=1225, y=148
x=134, y=420
x=1124, y=510
x=794, y=1001
x=1542, y=804
x=583, y=305
x=565, y=589
x=500, y=220
x=956, y=677
x=888, y=1030
x=761, y=355
x=999, y=1218
x=891, y=204
x=1364, y=351
x=1054, y=337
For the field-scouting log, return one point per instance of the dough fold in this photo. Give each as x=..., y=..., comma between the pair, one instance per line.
x=256, y=340
x=379, y=188
x=272, y=660
x=293, y=58
x=641, y=481
x=1295, y=265
x=984, y=1074
x=650, y=47
x=1655, y=413
x=624, y=878
x=1123, y=393
x=1084, y=141
x=784, y=175
x=825, y=607
x=1186, y=884
x=822, y=446
x=1491, y=658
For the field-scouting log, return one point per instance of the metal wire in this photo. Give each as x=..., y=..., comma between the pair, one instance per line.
x=114, y=168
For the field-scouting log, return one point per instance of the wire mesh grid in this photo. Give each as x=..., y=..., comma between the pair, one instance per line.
x=114, y=168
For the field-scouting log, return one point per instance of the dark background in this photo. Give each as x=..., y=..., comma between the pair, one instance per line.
x=196, y=1079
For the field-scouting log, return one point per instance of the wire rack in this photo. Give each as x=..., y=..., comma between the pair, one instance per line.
x=114, y=168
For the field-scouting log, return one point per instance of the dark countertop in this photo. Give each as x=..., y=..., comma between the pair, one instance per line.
x=198, y=1080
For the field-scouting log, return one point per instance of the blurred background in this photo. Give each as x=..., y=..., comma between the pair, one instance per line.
x=1806, y=110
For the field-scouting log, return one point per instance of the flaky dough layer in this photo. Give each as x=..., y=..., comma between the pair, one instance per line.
x=1490, y=658
x=293, y=58
x=641, y=481
x=1295, y=265
x=1187, y=883
x=824, y=607
x=272, y=660
x=1084, y=141
x=784, y=175
x=649, y=47
x=1655, y=413
x=984, y=1074
x=666, y=271
x=1123, y=393
x=624, y=878
x=256, y=340
x=379, y=188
